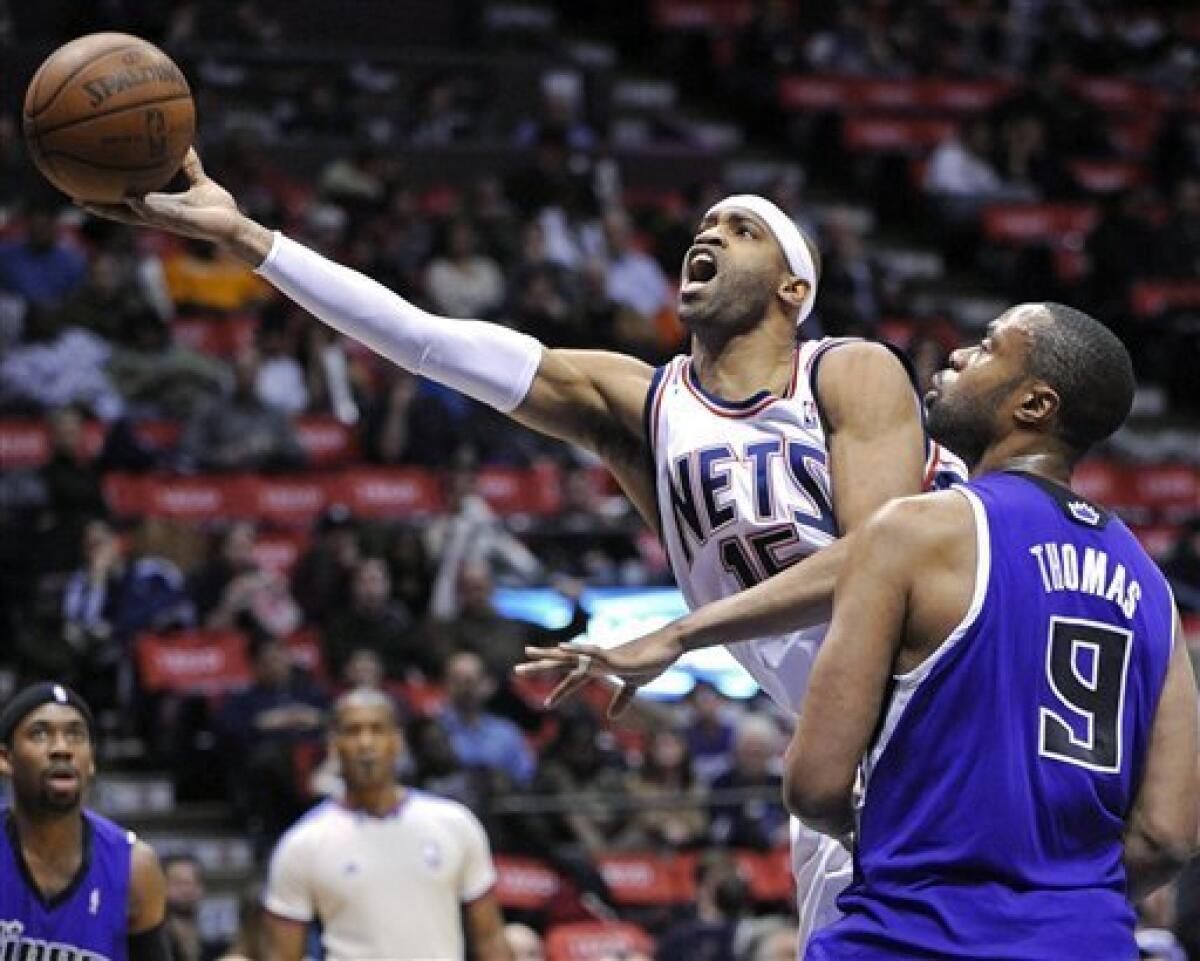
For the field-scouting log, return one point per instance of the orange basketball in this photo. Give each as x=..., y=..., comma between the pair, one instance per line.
x=108, y=116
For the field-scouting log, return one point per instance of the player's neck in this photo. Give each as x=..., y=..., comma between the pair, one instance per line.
x=741, y=366
x=1050, y=464
x=48, y=836
x=376, y=801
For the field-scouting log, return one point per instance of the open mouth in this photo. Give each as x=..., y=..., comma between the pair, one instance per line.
x=701, y=267
x=63, y=779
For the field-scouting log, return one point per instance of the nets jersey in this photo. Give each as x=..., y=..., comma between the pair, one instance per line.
x=89, y=920
x=743, y=492
x=997, y=790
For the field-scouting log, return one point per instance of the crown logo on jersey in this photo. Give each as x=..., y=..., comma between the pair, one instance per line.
x=1084, y=512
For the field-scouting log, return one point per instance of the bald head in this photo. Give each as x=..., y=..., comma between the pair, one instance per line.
x=366, y=699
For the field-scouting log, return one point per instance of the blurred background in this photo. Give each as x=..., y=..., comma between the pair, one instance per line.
x=214, y=508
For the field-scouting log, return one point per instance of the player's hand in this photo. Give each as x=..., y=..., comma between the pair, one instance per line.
x=205, y=211
x=630, y=665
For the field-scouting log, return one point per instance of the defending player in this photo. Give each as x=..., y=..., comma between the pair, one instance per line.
x=1006, y=666
x=755, y=453
x=73, y=885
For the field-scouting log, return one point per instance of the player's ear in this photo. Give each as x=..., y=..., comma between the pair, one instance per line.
x=5, y=761
x=1038, y=405
x=792, y=292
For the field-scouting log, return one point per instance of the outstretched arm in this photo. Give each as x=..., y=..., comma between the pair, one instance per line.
x=589, y=398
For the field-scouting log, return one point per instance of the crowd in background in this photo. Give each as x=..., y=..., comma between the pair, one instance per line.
x=90, y=315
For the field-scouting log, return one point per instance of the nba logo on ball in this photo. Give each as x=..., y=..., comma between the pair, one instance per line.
x=431, y=854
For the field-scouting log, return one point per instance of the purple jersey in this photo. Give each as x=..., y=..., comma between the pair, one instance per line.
x=1006, y=764
x=89, y=920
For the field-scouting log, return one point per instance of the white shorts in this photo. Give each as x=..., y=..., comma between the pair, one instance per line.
x=823, y=868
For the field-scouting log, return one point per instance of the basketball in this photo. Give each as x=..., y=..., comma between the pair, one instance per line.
x=108, y=116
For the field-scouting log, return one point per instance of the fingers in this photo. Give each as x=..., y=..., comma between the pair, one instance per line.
x=567, y=687
x=542, y=659
x=621, y=700
x=192, y=168
x=118, y=212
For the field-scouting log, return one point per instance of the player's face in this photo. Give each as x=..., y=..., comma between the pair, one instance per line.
x=731, y=273
x=970, y=403
x=368, y=743
x=50, y=760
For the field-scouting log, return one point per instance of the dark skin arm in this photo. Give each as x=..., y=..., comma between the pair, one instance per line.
x=876, y=453
x=882, y=623
x=1161, y=835
x=147, y=890
x=485, y=927
x=285, y=938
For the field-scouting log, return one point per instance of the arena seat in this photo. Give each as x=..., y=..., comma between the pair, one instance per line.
x=291, y=501
x=1029, y=223
x=769, y=874
x=209, y=662
x=279, y=551
x=219, y=336
x=890, y=134
x=326, y=440
x=380, y=492
x=23, y=444
x=1120, y=95
x=929, y=96
x=1151, y=298
x=647, y=880
x=1106, y=176
x=588, y=941
x=524, y=884
x=702, y=14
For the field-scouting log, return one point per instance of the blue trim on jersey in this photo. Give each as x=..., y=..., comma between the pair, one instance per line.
x=732, y=406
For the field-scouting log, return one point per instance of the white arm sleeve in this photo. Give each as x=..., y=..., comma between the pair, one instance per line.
x=488, y=362
x=289, y=894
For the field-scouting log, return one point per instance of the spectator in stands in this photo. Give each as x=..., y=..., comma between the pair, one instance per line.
x=1120, y=250
x=241, y=432
x=282, y=380
x=185, y=893
x=108, y=302
x=777, y=943
x=250, y=941
x=322, y=577
x=436, y=767
x=500, y=641
x=231, y=588
x=1072, y=125
x=716, y=931
x=1176, y=152
x=960, y=176
x=1028, y=160
x=758, y=822
x=524, y=943
x=480, y=739
x=202, y=280
x=54, y=366
x=1178, y=249
x=469, y=533
x=461, y=281
x=675, y=816
x=710, y=733
x=411, y=422
x=377, y=621
x=73, y=495
x=260, y=727
x=40, y=267
x=445, y=113
x=543, y=295
x=635, y=279
x=111, y=600
x=158, y=377
x=584, y=774
x=412, y=579
x=850, y=283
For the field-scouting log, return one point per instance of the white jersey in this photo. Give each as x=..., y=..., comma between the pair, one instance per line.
x=744, y=492
x=383, y=887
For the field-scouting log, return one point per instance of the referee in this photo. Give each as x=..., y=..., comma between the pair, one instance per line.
x=388, y=872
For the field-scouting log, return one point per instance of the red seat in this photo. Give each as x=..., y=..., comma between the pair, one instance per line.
x=280, y=551
x=803, y=93
x=1038, y=223
x=1106, y=176
x=327, y=441
x=524, y=884
x=588, y=941
x=769, y=875
x=220, y=336
x=702, y=14
x=202, y=499
x=510, y=490
x=895, y=134
x=1151, y=298
x=642, y=880
x=387, y=492
x=288, y=501
x=210, y=662
x=1117, y=95
x=23, y=443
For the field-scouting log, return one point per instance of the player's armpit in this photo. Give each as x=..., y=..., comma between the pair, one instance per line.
x=1162, y=833
x=147, y=890
x=596, y=399
x=485, y=924
x=875, y=438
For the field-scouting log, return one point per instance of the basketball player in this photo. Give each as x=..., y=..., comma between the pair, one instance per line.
x=73, y=885
x=749, y=456
x=1006, y=668
x=387, y=870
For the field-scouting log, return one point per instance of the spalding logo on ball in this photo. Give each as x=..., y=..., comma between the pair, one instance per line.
x=108, y=116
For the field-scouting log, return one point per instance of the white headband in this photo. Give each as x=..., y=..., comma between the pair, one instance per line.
x=790, y=240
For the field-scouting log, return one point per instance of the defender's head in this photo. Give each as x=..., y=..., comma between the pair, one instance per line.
x=367, y=739
x=749, y=260
x=46, y=747
x=1046, y=371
